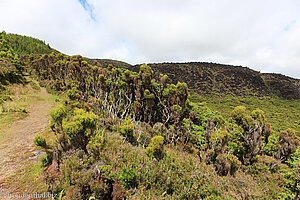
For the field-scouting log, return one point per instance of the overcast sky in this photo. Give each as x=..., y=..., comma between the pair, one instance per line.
x=261, y=34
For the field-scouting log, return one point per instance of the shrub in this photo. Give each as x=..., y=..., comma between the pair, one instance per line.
x=236, y=141
x=272, y=146
x=80, y=128
x=118, y=191
x=156, y=148
x=238, y=114
x=23, y=110
x=105, y=171
x=265, y=164
x=259, y=116
x=40, y=141
x=219, y=121
x=176, y=111
x=126, y=130
x=58, y=113
x=35, y=86
x=95, y=145
x=136, y=108
x=247, y=122
x=288, y=143
x=73, y=93
x=293, y=175
x=235, y=164
x=227, y=164
x=128, y=178
x=252, y=135
x=159, y=128
x=79, y=181
x=268, y=132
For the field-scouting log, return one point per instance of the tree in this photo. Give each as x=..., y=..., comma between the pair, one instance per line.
x=288, y=143
x=253, y=131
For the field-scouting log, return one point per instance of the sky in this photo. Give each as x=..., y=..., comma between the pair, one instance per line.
x=263, y=35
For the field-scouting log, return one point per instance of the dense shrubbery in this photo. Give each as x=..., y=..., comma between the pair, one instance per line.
x=123, y=134
x=115, y=136
x=115, y=91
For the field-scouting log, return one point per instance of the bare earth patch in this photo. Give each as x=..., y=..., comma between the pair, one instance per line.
x=17, y=149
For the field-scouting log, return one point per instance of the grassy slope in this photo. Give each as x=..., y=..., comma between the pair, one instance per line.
x=282, y=114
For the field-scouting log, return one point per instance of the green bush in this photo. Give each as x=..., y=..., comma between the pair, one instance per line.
x=58, y=113
x=235, y=164
x=40, y=141
x=79, y=180
x=128, y=178
x=259, y=116
x=105, y=171
x=73, y=93
x=238, y=114
x=287, y=144
x=156, y=148
x=292, y=174
x=271, y=147
x=95, y=144
x=227, y=164
x=265, y=164
x=80, y=128
x=126, y=130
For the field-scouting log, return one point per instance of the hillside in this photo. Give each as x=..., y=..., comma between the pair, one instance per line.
x=214, y=79
x=26, y=45
x=282, y=86
x=219, y=80
x=201, y=77
x=106, y=62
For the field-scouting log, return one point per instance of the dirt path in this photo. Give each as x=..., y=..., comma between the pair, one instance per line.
x=16, y=145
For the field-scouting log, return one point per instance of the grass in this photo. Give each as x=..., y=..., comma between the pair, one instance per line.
x=7, y=118
x=20, y=97
x=29, y=179
x=14, y=109
x=281, y=114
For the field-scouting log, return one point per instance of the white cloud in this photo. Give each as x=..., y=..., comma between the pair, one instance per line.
x=263, y=35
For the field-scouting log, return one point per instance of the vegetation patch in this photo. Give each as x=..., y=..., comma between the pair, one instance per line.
x=124, y=132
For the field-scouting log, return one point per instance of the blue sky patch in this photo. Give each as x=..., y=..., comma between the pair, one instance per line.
x=89, y=8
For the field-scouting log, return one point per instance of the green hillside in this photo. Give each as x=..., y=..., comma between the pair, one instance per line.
x=10, y=66
x=137, y=132
x=282, y=114
x=27, y=45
